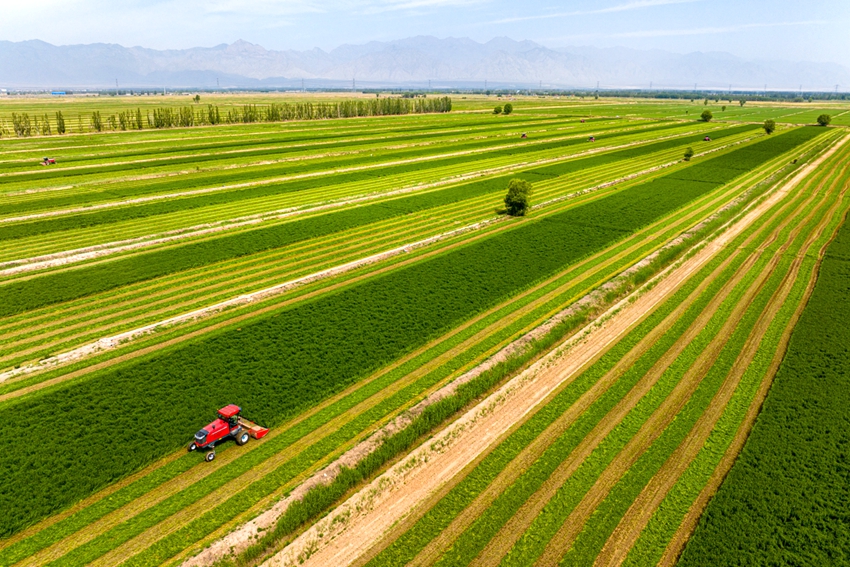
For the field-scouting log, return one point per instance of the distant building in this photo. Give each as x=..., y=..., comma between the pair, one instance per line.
x=57, y=93
x=3, y=92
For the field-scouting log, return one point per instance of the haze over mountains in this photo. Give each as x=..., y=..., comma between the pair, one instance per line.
x=450, y=62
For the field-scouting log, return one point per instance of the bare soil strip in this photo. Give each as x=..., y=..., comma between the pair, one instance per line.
x=385, y=506
x=501, y=544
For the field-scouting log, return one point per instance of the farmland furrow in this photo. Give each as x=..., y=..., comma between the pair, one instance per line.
x=575, y=361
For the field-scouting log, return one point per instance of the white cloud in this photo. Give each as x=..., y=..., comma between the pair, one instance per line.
x=691, y=31
x=635, y=5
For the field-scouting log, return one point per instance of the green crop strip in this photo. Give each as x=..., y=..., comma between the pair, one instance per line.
x=187, y=203
x=785, y=500
x=281, y=365
x=666, y=520
x=18, y=297
x=139, y=189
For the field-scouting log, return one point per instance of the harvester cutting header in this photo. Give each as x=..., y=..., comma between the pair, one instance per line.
x=229, y=425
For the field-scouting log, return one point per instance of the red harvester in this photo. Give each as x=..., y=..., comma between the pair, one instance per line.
x=229, y=425
x=706, y=139
x=48, y=161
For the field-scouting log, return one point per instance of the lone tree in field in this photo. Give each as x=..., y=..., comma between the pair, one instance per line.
x=197, y=98
x=516, y=201
x=508, y=108
x=497, y=110
x=706, y=116
x=769, y=126
x=742, y=102
x=824, y=119
x=689, y=153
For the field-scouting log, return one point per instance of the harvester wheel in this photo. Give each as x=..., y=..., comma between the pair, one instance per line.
x=243, y=438
x=192, y=447
x=210, y=456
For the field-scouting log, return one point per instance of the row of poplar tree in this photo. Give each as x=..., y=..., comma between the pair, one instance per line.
x=24, y=125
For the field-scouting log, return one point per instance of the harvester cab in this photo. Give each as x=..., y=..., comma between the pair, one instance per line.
x=229, y=424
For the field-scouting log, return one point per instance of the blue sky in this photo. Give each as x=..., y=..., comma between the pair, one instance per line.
x=754, y=29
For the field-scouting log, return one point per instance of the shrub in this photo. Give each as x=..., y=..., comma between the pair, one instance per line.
x=497, y=110
x=769, y=126
x=508, y=108
x=824, y=119
x=689, y=153
x=706, y=116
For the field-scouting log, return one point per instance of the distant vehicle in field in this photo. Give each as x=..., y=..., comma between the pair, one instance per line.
x=706, y=139
x=229, y=425
x=48, y=161
x=582, y=120
x=592, y=139
x=524, y=135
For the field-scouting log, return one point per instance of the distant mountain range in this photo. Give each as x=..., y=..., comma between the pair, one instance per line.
x=451, y=62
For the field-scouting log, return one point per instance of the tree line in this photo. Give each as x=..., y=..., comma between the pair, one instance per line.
x=23, y=125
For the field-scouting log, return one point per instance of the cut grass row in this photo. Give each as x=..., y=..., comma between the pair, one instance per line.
x=309, y=192
x=72, y=284
x=59, y=331
x=418, y=159
x=147, y=178
x=298, y=261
